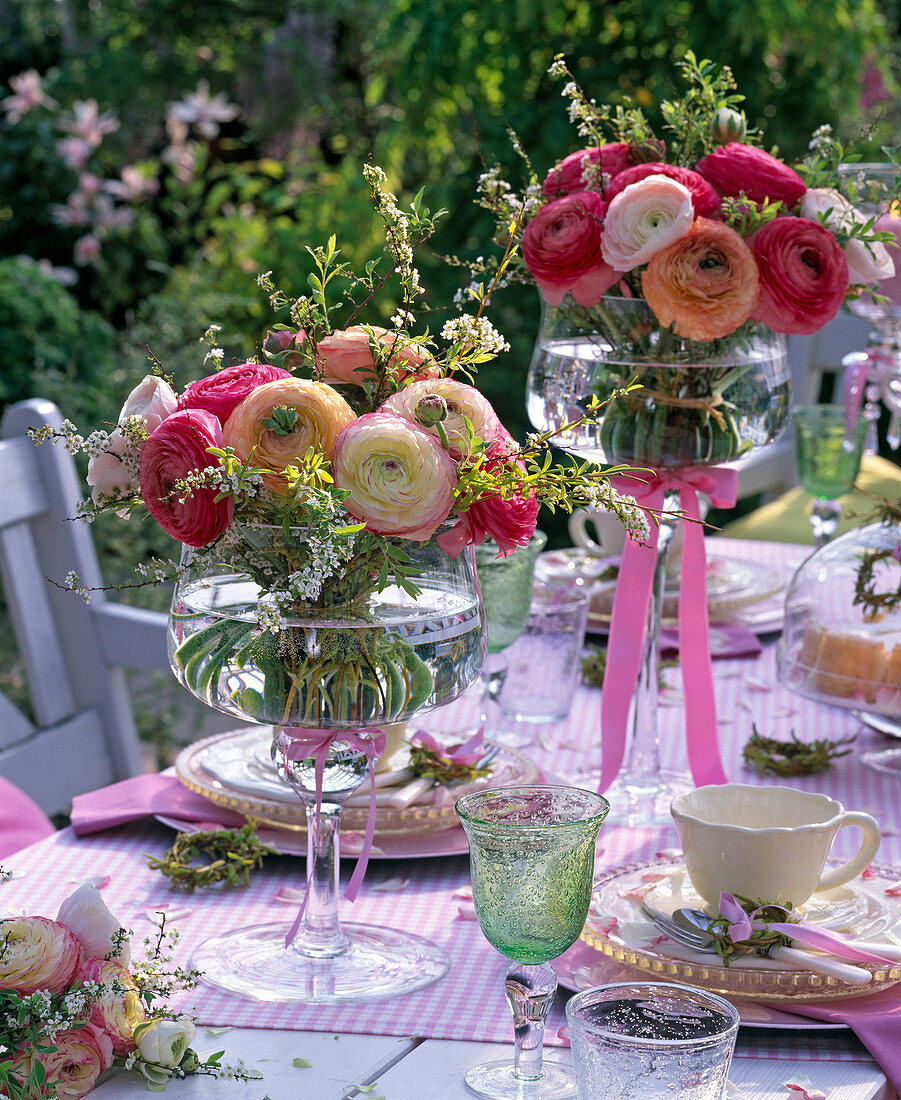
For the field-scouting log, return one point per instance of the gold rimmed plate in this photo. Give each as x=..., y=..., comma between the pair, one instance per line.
x=229, y=769
x=618, y=928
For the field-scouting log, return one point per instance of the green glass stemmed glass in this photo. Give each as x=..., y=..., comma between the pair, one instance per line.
x=531, y=856
x=828, y=462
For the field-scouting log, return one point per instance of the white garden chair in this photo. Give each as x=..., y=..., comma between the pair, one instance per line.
x=81, y=732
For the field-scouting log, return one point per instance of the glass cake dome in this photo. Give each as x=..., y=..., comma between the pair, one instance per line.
x=841, y=642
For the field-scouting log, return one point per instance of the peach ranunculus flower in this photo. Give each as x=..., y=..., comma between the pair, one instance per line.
x=117, y=1014
x=400, y=479
x=321, y=413
x=705, y=285
x=461, y=401
x=348, y=356
x=867, y=263
x=79, y=1056
x=39, y=953
x=644, y=218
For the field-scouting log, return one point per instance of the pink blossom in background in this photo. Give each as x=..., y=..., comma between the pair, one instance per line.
x=75, y=152
x=87, y=249
x=88, y=123
x=204, y=112
x=28, y=93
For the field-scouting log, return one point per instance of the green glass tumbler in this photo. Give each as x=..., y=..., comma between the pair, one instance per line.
x=828, y=462
x=506, y=585
x=531, y=858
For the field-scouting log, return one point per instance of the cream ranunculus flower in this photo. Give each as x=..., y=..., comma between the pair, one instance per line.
x=117, y=1014
x=316, y=412
x=164, y=1042
x=38, y=954
x=867, y=263
x=85, y=914
x=644, y=218
x=461, y=401
x=400, y=479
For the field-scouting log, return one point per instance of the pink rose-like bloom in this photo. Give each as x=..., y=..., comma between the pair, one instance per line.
x=153, y=399
x=569, y=175
x=347, y=356
x=461, y=400
x=39, y=954
x=704, y=198
x=177, y=448
x=561, y=247
x=87, y=917
x=736, y=167
x=401, y=480
x=509, y=522
x=643, y=219
x=81, y=1055
x=221, y=393
x=803, y=275
x=115, y=1014
x=867, y=262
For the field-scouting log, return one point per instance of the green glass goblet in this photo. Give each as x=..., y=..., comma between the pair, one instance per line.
x=531, y=858
x=828, y=462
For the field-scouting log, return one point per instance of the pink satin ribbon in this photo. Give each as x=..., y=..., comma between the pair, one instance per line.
x=628, y=623
x=315, y=743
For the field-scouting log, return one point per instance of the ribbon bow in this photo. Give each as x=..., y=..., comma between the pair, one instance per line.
x=315, y=743
x=628, y=621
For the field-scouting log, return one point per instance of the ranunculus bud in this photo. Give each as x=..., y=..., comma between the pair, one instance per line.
x=727, y=125
x=431, y=410
x=282, y=348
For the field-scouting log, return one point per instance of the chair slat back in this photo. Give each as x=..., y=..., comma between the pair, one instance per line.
x=81, y=734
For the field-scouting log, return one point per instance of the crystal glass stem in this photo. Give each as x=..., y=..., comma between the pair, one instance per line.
x=824, y=520
x=320, y=935
x=529, y=991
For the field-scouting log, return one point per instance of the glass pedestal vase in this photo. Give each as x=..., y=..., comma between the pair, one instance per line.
x=691, y=406
x=327, y=678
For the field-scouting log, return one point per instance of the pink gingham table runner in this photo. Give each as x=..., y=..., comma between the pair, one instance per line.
x=467, y=1003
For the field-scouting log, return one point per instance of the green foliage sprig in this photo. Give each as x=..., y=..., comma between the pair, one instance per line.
x=201, y=859
x=794, y=757
x=426, y=763
x=762, y=940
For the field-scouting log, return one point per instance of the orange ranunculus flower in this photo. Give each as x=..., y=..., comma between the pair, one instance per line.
x=321, y=414
x=705, y=285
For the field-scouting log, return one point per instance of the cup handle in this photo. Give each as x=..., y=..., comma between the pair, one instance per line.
x=868, y=849
x=578, y=524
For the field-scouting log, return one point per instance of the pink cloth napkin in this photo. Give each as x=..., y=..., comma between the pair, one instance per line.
x=875, y=1020
x=22, y=821
x=144, y=796
x=726, y=640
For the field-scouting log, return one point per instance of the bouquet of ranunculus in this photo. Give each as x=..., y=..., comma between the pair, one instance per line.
x=73, y=1004
x=712, y=233
x=315, y=468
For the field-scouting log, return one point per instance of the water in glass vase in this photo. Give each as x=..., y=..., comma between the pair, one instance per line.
x=341, y=668
x=682, y=414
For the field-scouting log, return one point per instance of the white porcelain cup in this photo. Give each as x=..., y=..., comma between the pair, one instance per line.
x=597, y=532
x=766, y=843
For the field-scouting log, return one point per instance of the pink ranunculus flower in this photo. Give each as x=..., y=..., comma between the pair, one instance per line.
x=39, y=954
x=803, y=275
x=117, y=1014
x=399, y=477
x=510, y=522
x=86, y=915
x=221, y=393
x=736, y=167
x=347, y=356
x=561, y=247
x=704, y=199
x=80, y=1056
x=176, y=449
x=461, y=401
x=867, y=262
x=153, y=399
x=569, y=175
x=643, y=219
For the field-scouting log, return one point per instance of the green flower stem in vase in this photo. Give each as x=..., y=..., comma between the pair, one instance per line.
x=327, y=678
x=531, y=853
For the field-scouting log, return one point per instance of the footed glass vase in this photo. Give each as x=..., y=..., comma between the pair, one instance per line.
x=327, y=678
x=691, y=405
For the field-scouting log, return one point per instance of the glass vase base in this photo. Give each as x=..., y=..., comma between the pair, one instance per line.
x=645, y=800
x=495, y=1081
x=379, y=962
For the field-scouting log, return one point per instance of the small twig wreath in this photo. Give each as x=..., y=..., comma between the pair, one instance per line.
x=206, y=858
